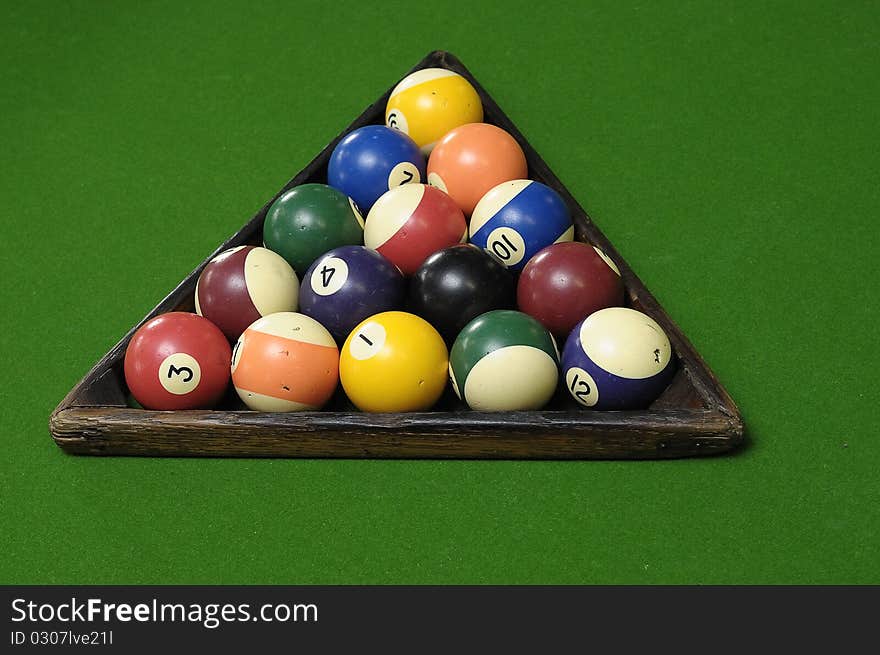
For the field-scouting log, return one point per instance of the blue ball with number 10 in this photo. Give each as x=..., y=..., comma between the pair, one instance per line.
x=516, y=219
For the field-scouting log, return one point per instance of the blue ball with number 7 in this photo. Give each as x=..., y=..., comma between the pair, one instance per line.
x=347, y=285
x=372, y=160
x=516, y=219
x=617, y=358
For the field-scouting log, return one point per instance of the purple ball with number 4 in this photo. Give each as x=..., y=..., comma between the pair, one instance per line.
x=348, y=284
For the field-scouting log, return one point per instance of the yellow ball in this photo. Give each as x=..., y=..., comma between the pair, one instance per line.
x=394, y=362
x=429, y=103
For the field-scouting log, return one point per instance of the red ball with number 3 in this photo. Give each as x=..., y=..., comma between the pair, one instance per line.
x=178, y=361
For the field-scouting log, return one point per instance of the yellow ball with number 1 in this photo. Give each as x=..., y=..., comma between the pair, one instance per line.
x=429, y=103
x=394, y=362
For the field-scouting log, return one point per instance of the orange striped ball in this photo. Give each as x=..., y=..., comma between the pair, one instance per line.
x=285, y=362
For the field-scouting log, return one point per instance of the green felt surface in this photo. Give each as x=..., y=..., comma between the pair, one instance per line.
x=729, y=152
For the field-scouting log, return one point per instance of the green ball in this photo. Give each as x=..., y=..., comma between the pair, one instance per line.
x=308, y=220
x=504, y=361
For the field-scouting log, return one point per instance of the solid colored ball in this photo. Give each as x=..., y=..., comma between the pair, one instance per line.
x=516, y=219
x=429, y=103
x=177, y=361
x=617, y=358
x=566, y=282
x=242, y=284
x=373, y=159
x=308, y=220
x=504, y=361
x=457, y=284
x=285, y=362
x=349, y=284
x=410, y=222
x=394, y=362
x=473, y=158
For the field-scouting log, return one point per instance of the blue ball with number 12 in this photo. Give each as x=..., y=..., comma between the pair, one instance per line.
x=617, y=358
x=516, y=219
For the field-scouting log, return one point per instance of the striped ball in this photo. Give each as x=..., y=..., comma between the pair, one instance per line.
x=617, y=358
x=429, y=103
x=504, y=360
x=242, y=284
x=285, y=362
x=516, y=219
x=411, y=222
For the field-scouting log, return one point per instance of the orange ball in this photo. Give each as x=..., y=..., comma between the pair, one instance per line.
x=473, y=158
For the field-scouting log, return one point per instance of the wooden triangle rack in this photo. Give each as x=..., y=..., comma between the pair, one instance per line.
x=694, y=416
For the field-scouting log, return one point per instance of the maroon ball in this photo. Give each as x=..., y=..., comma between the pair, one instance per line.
x=566, y=282
x=242, y=284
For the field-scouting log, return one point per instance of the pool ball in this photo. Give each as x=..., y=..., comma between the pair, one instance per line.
x=410, y=222
x=373, y=159
x=308, y=220
x=617, y=358
x=393, y=362
x=177, y=361
x=473, y=158
x=504, y=360
x=457, y=284
x=285, y=362
x=430, y=102
x=566, y=282
x=349, y=284
x=242, y=284
x=516, y=219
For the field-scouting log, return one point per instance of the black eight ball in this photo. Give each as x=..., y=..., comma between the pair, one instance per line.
x=457, y=284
